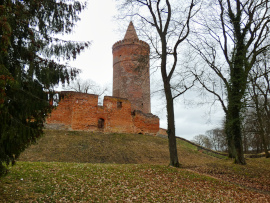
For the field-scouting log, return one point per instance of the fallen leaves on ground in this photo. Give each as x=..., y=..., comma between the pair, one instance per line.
x=254, y=176
x=75, y=182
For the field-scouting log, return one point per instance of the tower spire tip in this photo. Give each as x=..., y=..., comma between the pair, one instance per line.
x=131, y=32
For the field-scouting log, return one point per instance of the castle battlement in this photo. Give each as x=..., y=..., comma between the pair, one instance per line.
x=80, y=111
x=125, y=42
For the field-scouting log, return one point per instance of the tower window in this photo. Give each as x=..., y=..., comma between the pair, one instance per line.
x=119, y=104
x=100, y=123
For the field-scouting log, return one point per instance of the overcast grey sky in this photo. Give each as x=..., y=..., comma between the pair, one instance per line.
x=98, y=25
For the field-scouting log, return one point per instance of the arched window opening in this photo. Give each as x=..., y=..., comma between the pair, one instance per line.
x=100, y=123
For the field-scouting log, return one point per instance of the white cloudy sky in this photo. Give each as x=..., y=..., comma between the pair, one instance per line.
x=99, y=26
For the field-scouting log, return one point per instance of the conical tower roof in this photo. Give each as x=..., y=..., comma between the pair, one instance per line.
x=131, y=32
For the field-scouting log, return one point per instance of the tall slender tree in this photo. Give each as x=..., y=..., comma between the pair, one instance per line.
x=259, y=92
x=170, y=22
x=231, y=35
x=30, y=55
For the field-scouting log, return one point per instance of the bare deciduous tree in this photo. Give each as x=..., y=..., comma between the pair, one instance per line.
x=168, y=25
x=259, y=91
x=230, y=37
x=203, y=141
x=252, y=133
x=217, y=139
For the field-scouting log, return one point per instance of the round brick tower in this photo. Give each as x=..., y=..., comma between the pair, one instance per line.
x=131, y=70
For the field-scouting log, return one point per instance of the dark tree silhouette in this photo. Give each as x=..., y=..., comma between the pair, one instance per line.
x=30, y=54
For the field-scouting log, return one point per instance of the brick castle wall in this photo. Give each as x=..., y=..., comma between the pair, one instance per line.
x=80, y=111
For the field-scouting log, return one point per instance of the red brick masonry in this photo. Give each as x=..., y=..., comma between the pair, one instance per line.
x=80, y=111
x=131, y=77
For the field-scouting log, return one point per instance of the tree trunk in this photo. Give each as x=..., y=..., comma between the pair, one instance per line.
x=262, y=135
x=170, y=107
x=267, y=155
x=234, y=122
x=245, y=144
x=171, y=127
x=239, y=158
x=230, y=139
x=234, y=133
x=238, y=80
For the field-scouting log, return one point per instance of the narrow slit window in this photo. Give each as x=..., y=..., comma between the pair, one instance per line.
x=100, y=123
x=119, y=105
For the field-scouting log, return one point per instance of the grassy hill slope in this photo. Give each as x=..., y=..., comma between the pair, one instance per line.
x=88, y=147
x=84, y=182
x=128, y=168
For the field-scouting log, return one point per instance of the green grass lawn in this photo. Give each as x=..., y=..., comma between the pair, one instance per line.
x=74, y=182
x=69, y=166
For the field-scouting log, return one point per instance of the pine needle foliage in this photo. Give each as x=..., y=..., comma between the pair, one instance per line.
x=31, y=64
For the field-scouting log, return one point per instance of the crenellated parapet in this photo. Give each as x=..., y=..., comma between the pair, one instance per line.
x=125, y=42
x=80, y=111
